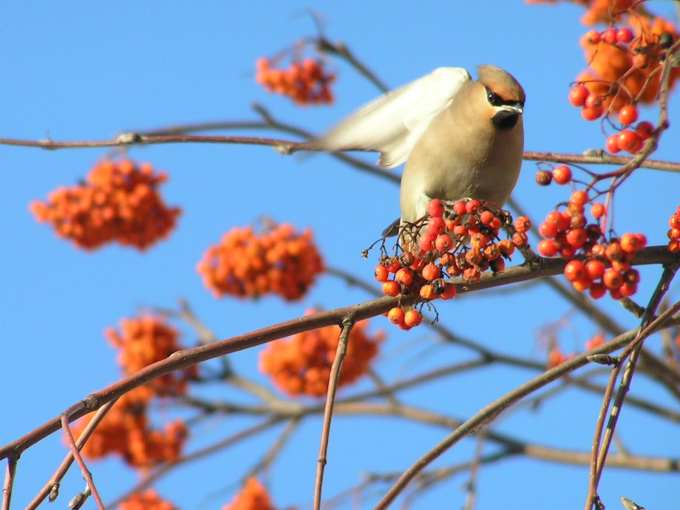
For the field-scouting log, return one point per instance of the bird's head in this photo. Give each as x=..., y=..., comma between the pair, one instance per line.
x=503, y=96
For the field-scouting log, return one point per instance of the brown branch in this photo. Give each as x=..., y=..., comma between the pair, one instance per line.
x=8, y=485
x=651, y=365
x=348, y=407
x=341, y=50
x=51, y=488
x=334, y=377
x=599, y=159
x=187, y=357
x=79, y=459
x=128, y=139
x=177, y=134
x=599, y=451
x=274, y=450
x=490, y=411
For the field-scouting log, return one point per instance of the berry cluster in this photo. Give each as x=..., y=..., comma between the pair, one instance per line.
x=674, y=232
x=147, y=500
x=253, y=496
x=143, y=341
x=119, y=201
x=599, y=11
x=625, y=65
x=455, y=239
x=301, y=364
x=305, y=82
x=278, y=261
x=126, y=431
x=595, y=262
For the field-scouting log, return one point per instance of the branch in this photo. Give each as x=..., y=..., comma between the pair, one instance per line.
x=341, y=50
x=491, y=411
x=187, y=357
x=599, y=159
x=79, y=459
x=51, y=488
x=599, y=451
x=334, y=377
x=8, y=484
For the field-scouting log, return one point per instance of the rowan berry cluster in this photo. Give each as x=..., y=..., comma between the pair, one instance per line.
x=624, y=67
x=674, y=232
x=119, y=201
x=595, y=263
x=252, y=496
x=301, y=364
x=247, y=264
x=455, y=239
x=147, y=500
x=143, y=341
x=306, y=82
x=599, y=11
x=126, y=431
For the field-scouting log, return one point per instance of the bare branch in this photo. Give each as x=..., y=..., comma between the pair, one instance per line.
x=51, y=488
x=492, y=410
x=79, y=459
x=8, y=485
x=334, y=377
x=187, y=357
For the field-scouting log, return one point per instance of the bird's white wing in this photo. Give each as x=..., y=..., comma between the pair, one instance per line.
x=393, y=123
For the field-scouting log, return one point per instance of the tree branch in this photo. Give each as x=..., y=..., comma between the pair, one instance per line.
x=334, y=377
x=187, y=357
x=492, y=410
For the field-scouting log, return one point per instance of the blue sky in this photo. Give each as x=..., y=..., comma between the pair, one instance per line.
x=90, y=70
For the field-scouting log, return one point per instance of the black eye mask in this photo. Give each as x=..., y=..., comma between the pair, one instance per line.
x=496, y=100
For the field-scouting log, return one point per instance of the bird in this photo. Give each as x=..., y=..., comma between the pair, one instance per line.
x=459, y=137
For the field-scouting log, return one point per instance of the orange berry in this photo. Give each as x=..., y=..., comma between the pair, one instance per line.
x=412, y=318
x=628, y=114
x=391, y=288
x=396, y=315
x=427, y=292
x=598, y=210
x=562, y=174
x=381, y=273
x=574, y=270
x=431, y=272
x=612, y=279
x=404, y=276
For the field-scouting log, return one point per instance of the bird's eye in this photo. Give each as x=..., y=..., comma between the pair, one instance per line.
x=494, y=99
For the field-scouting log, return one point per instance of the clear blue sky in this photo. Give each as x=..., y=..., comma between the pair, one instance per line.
x=89, y=70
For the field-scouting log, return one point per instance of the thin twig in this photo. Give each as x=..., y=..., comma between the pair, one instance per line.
x=79, y=459
x=492, y=410
x=341, y=50
x=8, y=485
x=51, y=488
x=187, y=357
x=601, y=445
x=334, y=377
x=274, y=450
x=471, y=484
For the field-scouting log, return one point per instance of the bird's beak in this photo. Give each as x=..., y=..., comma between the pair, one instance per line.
x=507, y=115
x=512, y=108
